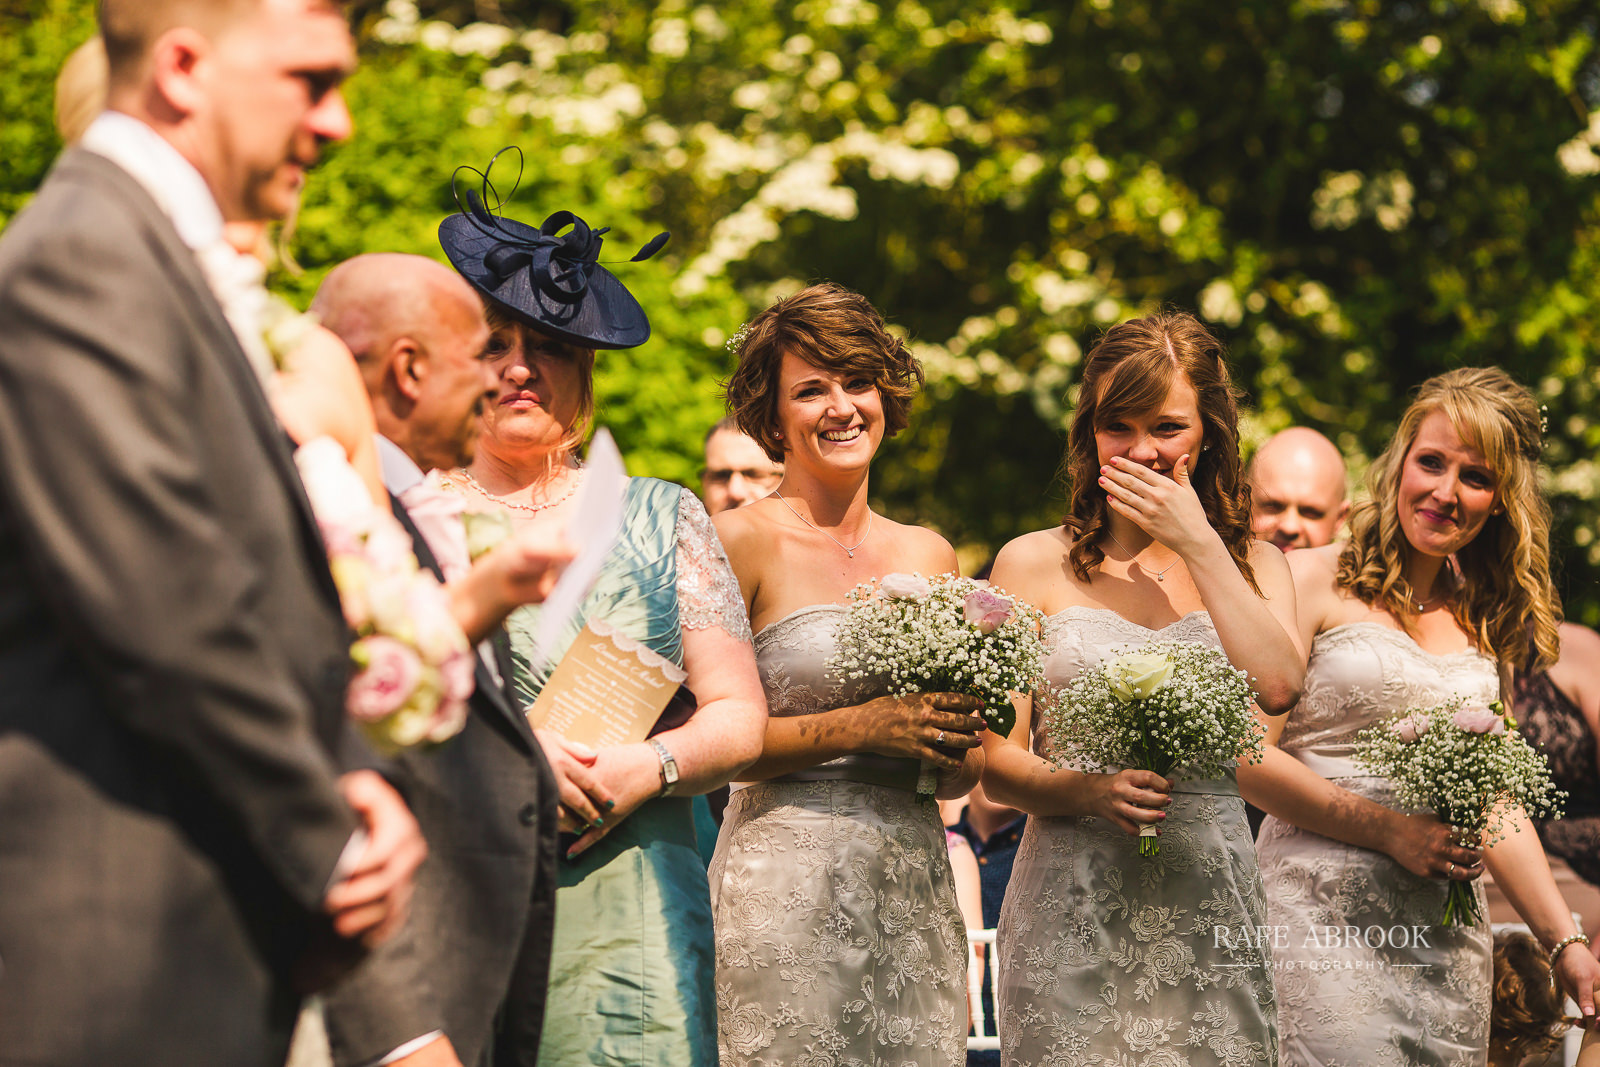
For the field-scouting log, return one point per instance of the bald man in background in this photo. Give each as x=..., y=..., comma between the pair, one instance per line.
x=1298, y=490
x=464, y=982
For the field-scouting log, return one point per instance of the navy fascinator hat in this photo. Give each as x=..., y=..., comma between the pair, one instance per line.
x=548, y=277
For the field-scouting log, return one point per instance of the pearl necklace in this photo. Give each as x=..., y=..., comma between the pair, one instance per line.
x=1161, y=575
x=515, y=505
x=849, y=550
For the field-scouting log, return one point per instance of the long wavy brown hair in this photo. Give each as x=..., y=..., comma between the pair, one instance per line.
x=1505, y=595
x=1130, y=372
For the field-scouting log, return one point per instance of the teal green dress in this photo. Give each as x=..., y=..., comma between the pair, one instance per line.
x=632, y=966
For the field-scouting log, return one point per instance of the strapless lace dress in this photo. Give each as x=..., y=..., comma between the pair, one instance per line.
x=1364, y=976
x=1110, y=959
x=838, y=941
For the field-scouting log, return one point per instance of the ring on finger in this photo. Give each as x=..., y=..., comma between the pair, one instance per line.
x=1450, y=870
x=940, y=739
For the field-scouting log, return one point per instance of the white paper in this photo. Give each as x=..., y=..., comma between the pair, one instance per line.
x=596, y=522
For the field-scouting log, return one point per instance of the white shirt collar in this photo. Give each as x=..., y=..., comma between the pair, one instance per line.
x=398, y=470
x=172, y=181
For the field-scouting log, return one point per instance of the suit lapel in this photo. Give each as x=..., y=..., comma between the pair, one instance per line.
x=221, y=340
x=487, y=689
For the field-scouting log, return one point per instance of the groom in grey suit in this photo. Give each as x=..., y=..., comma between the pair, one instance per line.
x=179, y=855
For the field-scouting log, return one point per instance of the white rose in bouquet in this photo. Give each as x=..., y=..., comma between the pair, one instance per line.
x=1137, y=675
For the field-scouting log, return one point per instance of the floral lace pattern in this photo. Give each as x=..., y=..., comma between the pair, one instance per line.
x=1403, y=992
x=1107, y=958
x=837, y=936
x=708, y=593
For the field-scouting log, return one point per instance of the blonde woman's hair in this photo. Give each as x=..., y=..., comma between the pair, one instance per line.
x=1506, y=596
x=81, y=89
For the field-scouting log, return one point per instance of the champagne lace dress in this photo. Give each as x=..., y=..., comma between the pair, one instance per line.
x=1365, y=977
x=837, y=936
x=1109, y=959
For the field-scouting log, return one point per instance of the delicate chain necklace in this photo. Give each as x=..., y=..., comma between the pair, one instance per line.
x=1161, y=575
x=849, y=550
x=529, y=509
x=1419, y=606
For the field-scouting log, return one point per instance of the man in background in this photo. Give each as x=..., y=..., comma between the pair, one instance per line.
x=738, y=471
x=1298, y=490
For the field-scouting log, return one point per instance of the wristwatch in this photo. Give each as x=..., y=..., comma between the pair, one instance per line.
x=669, y=768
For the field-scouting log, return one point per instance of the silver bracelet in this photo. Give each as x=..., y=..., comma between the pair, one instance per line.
x=1575, y=939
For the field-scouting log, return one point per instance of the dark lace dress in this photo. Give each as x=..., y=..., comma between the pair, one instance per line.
x=1554, y=725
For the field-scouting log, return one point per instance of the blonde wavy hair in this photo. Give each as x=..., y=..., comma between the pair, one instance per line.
x=1506, y=600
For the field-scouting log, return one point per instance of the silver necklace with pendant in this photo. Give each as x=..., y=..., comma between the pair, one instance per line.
x=849, y=550
x=1161, y=575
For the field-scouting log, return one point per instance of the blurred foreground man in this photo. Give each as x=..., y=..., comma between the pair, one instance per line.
x=477, y=950
x=738, y=471
x=179, y=858
x=1298, y=487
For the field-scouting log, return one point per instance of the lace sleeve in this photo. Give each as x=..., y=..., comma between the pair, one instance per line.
x=708, y=593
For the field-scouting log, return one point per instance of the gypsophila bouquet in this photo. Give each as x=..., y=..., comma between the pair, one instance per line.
x=413, y=666
x=1468, y=764
x=945, y=634
x=1177, y=708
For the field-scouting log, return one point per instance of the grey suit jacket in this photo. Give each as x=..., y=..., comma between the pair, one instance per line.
x=172, y=657
x=477, y=948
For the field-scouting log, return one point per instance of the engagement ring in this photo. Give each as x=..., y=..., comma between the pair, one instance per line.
x=940, y=739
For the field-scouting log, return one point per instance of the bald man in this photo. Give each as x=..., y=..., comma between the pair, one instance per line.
x=180, y=856
x=1298, y=494
x=478, y=943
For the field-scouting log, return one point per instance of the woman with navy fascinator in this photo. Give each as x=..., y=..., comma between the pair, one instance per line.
x=631, y=968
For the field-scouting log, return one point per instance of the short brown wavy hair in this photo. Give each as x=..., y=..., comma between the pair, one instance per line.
x=1507, y=596
x=1130, y=372
x=830, y=327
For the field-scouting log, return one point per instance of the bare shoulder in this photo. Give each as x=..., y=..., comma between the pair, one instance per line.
x=1268, y=561
x=1315, y=570
x=922, y=548
x=1579, y=644
x=740, y=530
x=1031, y=564
x=1031, y=550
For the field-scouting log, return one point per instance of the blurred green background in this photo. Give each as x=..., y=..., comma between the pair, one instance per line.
x=1357, y=194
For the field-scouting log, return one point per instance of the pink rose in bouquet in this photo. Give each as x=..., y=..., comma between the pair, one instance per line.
x=388, y=674
x=339, y=498
x=1411, y=727
x=986, y=610
x=456, y=678
x=1479, y=720
x=434, y=629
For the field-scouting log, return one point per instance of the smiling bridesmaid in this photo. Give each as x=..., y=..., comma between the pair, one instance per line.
x=1445, y=576
x=838, y=936
x=1107, y=957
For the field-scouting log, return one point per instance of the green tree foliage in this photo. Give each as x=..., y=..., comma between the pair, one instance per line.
x=1357, y=194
